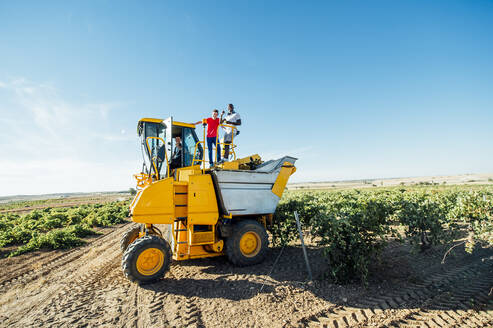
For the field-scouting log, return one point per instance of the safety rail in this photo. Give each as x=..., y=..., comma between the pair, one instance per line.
x=153, y=159
x=143, y=180
x=231, y=145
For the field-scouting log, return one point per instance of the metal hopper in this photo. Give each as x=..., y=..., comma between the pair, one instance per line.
x=249, y=192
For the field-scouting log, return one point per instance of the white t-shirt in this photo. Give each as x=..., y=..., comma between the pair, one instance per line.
x=233, y=117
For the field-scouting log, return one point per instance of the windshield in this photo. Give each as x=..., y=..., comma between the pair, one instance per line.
x=154, y=148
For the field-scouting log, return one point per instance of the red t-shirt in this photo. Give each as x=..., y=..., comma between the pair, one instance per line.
x=212, y=125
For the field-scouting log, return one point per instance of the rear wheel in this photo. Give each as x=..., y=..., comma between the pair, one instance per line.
x=147, y=259
x=248, y=244
x=129, y=237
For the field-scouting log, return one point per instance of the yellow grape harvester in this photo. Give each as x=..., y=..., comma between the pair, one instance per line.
x=186, y=210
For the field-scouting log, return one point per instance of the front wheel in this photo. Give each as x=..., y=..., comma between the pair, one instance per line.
x=147, y=259
x=129, y=237
x=249, y=243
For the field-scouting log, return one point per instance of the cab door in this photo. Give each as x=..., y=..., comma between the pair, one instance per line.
x=168, y=123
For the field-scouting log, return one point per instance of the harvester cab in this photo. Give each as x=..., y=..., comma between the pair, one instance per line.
x=207, y=210
x=159, y=142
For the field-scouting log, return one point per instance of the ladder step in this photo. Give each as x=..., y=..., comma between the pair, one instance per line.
x=180, y=205
x=182, y=242
x=180, y=229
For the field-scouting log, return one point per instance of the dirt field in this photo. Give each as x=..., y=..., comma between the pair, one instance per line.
x=85, y=287
x=64, y=202
x=470, y=179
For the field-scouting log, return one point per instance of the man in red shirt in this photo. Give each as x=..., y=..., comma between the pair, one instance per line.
x=212, y=125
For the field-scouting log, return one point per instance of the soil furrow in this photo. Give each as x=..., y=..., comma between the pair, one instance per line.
x=86, y=287
x=472, y=291
x=376, y=307
x=51, y=262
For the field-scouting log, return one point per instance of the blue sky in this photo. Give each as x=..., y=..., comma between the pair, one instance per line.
x=354, y=89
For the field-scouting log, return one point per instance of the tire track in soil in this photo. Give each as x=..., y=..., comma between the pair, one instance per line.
x=182, y=311
x=52, y=262
x=377, y=308
x=79, y=297
x=157, y=307
x=452, y=307
x=168, y=309
x=64, y=302
x=90, y=291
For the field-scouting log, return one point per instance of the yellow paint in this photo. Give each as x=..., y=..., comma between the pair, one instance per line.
x=217, y=247
x=184, y=172
x=150, y=261
x=154, y=158
x=244, y=160
x=235, y=165
x=250, y=244
x=201, y=237
x=196, y=252
x=180, y=187
x=282, y=179
x=186, y=125
x=179, y=233
x=154, y=204
x=190, y=244
x=230, y=165
x=180, y=199
x=202, y=204
x=152, y=120
x=188, y=201
x=142, y=179
x=135, y=200
x=200, y=160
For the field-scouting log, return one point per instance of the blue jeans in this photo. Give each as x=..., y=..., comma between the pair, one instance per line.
x=212, y=141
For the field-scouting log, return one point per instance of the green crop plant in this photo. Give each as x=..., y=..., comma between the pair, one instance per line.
x=53, y=228
x=353, y=226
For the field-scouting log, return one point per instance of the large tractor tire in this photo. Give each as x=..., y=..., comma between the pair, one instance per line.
x=147, y=259
x=248, y=244
x=129, y=237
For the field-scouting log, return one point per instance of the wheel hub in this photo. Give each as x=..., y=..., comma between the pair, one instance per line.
x=250, y=244
x=150, y=261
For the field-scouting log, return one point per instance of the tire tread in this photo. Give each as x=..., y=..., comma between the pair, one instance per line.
x=232, y=243
x=129, y=259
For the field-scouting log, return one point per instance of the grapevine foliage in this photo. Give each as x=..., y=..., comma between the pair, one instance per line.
x=353, y=226
x=58, y=228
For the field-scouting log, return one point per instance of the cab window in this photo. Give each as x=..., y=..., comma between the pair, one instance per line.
x=189, y=142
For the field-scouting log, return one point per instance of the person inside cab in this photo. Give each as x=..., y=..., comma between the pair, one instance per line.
x=176, y=157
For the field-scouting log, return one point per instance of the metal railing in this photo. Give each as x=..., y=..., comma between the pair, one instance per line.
x=231, y=144
x=153, y=159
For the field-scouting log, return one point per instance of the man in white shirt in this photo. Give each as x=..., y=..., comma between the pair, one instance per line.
x=232, y=118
